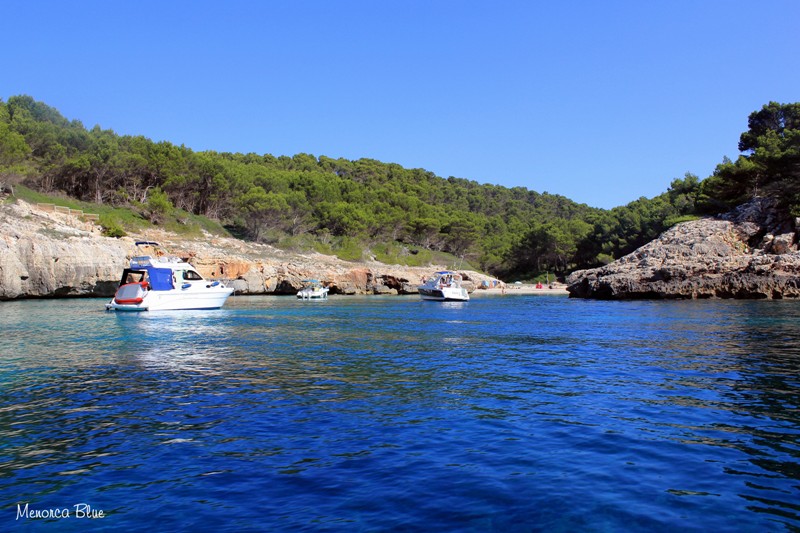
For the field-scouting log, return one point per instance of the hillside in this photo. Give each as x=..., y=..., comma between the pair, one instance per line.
x=53, y=254
x=361, y=209
x=335, y=206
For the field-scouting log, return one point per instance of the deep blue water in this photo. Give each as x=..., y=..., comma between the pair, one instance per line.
x=515, y=413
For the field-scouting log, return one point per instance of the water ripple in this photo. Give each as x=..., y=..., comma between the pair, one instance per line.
x=516, y=413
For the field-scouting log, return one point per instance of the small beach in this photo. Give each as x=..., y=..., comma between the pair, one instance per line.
x=556, y=289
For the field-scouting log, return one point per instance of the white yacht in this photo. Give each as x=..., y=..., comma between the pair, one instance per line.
x=444, y=286
x=161, y=283
x=312, y=290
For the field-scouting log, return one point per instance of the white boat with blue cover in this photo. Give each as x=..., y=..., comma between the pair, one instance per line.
x=444, y=286
x=165, y=283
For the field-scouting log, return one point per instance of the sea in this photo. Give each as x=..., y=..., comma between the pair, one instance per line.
x=387, y=413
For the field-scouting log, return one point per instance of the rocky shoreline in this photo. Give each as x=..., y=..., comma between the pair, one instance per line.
x=47, y=254
x=750, y=253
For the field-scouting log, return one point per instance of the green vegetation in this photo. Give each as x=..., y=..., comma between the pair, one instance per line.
x=770, y=165
x=365, y=208
x=119, y=221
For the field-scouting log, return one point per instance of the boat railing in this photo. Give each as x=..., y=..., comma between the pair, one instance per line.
x=142, y=261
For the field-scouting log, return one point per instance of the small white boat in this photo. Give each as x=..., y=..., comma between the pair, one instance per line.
x=444, y=286
x=164, y=283
x=312, y=290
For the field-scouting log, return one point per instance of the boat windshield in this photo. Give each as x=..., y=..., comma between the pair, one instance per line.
x=191, y=275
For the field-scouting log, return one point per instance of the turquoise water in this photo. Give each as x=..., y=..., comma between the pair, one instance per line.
x=515, y=413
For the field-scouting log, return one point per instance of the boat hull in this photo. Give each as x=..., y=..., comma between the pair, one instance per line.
x=209, y=298
x=444, y=295
x=306, y=294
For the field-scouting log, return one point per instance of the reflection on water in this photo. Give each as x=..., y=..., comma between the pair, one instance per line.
x=178, y=340
x=526, y=413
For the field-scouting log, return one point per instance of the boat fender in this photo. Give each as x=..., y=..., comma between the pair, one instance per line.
x=214, y=284
x=186, y=285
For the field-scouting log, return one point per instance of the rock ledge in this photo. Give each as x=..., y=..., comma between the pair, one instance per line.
x=750, y=253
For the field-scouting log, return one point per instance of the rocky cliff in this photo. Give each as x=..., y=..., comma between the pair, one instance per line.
x=748, y=253
x=47, y=254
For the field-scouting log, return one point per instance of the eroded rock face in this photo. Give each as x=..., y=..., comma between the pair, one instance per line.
x=749, y=253
x=46, y=254
x=50, y=254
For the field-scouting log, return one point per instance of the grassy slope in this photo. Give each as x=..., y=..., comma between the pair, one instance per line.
x=117, y=222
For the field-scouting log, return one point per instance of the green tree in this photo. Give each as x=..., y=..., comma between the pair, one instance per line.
x=461, y=235
x=13, y=152
x=425, y=232
x=262, y=210
x=158, y=206
x=731, y=184
x=770, y=165
x=342, y=219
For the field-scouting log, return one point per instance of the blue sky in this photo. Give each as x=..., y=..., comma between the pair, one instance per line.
x=602, y=102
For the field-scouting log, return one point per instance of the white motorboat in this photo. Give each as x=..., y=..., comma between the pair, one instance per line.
x=444, y=286
x=161, y=283
x=312, y=290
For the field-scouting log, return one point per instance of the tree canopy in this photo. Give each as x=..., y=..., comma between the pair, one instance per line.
x=768, y=166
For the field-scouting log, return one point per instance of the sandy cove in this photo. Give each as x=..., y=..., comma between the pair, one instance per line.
x=557, y=289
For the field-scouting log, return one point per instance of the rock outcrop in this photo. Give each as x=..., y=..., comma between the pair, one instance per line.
x=748, y=253
x=45, y=254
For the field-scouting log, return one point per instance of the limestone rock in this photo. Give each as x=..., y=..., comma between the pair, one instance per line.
x=748, y=253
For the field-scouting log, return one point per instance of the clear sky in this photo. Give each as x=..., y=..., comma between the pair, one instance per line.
x=600, y=101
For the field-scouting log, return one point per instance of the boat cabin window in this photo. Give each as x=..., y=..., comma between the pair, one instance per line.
x=191, y=275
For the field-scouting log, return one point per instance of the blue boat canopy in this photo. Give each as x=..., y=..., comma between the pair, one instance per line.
x=160, y=278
